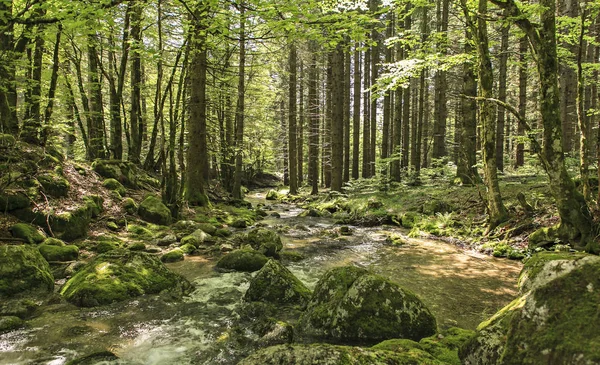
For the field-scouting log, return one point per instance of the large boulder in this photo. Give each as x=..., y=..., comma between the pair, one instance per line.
x=154, y=211
x=54, y=253
x=556, y=320
x=242, y=260
x=350, y=304
x=275, y=284
x=23, y=269
x=27, y=232
x=325, y=354
x=119, y=275
x=265, y=241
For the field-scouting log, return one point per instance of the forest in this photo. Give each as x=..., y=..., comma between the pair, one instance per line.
x=299, y=182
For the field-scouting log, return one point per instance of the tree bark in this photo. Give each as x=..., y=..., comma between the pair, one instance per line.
x=239, y=111
x=441, y=84
x=356, y=114
x=292, y=151
x=314, y=118
x=366, y=159
x=135, y=115
x=523, y=48
x=337, y=118
x=502, y=75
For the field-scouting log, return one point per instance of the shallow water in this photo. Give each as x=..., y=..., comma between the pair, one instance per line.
x=461, y=289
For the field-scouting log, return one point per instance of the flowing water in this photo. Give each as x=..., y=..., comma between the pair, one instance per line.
x=461, y=288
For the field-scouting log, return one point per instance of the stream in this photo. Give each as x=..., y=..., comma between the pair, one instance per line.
x=461, y=288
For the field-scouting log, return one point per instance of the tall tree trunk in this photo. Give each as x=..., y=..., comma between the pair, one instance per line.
x=467, y=150
x=135, y=117
x=292, y=152
x=406, y=96
x=584, y=129
x=314, y=118
x=32, y=124
x=327, y=155
x=239, y=111
x=387, y=107
x=568, y=82
x=356, y=114
x=523, y=48
x=502, y=76
x=441, y=84
x=337, y=118
x=397, y=135
x=96, y=114
x=346, y=88
x=53, y=83
x=9, y=122
x=366, y=169
x=195, y=193
x=374, y=5
x=300, y=127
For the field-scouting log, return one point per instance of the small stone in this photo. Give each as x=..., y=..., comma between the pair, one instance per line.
x=166, y=240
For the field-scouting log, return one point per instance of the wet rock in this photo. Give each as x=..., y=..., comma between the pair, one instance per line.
x=265, y=241
x=275, y=215
x=114, y=185
x=10, y=323
x=119, y=275
x=555, y=320
x=222, y=232
x=345, y=231
x=197, y=238
x=173, y=255
x=275, y=284
x=23, y=269
x=59, y=253
x=166, y=240
x=188, y=249
x=226, y=247
x=95, y=358
x=351, y=305
x=27, y=232
x=277, y=333
x=154, y=211
x=242, y=260
x=325, y=354
x=138, y=246
x=239, y=223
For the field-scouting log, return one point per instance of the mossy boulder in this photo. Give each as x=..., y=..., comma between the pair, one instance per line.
x=325, y=354
x=27, y=232
x=239, y=223
x=208, y=228
x=275, y=284
x=10, y=202
x=10, y=323
x=99, y=357
x=54, y=184
x=124, y=172
x=265, y=241
x=137, y=246
x=23, y=269
x=242, y=260
x=196, y=238
x=351, y=305
x=95, y=203
x=444, y=346
x=129, y=205
x=172, y=256
x=188, y=249
x=154, y=211
x=114, y=185
x=272, y=195
x=435, y=206
x=105, y=246
x=555, y=320
x=51, y=241
x=59, y=253
x=120, y=275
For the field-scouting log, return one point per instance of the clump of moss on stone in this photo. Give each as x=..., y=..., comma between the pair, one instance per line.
x=114, y=185
x=59, y=253
x=10, y=323
x=129, y=205
x=54, y=184
x=172, y=256
x=274, y=283
x=27, y=232
x=51, y=241
x=242, y=260
x=265, y=241
x=153, y=210
x=23, y=268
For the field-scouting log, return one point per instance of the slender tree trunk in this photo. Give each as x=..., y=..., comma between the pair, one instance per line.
x=135, y=115
x=356, y=114
x=366, y=169
x=314, y=116
x=32, y=124
x=523, y=48
x=502, y=76
x=406, y=102
x=337, y=118
x=584, y=129
x=292, y=152
x=9, y=122
x=239, y=112
x=441, y=84
x=327, y=153
x=346, y=88
x=52, y=88
x=387, y=107
x=375, y=50
x=301, y=123
x=96, y=114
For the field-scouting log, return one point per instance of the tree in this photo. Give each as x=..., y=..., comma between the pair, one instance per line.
x=337, y=118
x=292, y=140
x=239, y=110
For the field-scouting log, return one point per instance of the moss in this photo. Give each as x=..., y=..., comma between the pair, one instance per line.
x=239, y=223
x=10, y=323
x=139, y=232
x=208, y=228
x=95, y=203
x=172, y=256
x=124, y=172
x=153, y=210
x=349, y=304
x=409, y=219
x=27, y=232
x=265, y=241
x=105, y=246
x=114, y=185
x=544, y=236
x=7, y=140
x=59, y=253
x=397, y=345
x=10, y=202
x=22, y=268
x=129, y=205
x=291, y=256
x=54, y=184
x=274, y=283
x=324, y=354
x=119, y=275
x=242, y=260
x=272, y=195
x=137, y=246
x=222, y=232
x=188, y=249
x=112, y=226
x=544, y=266
x=444, y=346
x=51, y=241
x=197, y=238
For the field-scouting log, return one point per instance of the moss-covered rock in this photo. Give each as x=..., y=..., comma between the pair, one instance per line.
x=351, y=305
x=137, y=246
x=51, y=241
x=154, y=211
x=59, y=253
x=555, y=320
x=22, y=269
x=208, y=228
x=129, y=205
x=10, y=323
x=444, y=346
x=119, y=275
x=54, y=184
x=172, y=256
x=105, y=246
x=7, y=140
x=239, y=223
x=272, y=195
x=242, y=260
x=196, y=238
x=10, y=202
x=27, y=232
x=324, y=354
x=94, y=358
x=188, y=249
x=222, y=232
x=265, y=241
x=275, y=284
x=114, y=185
x=124, y=172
